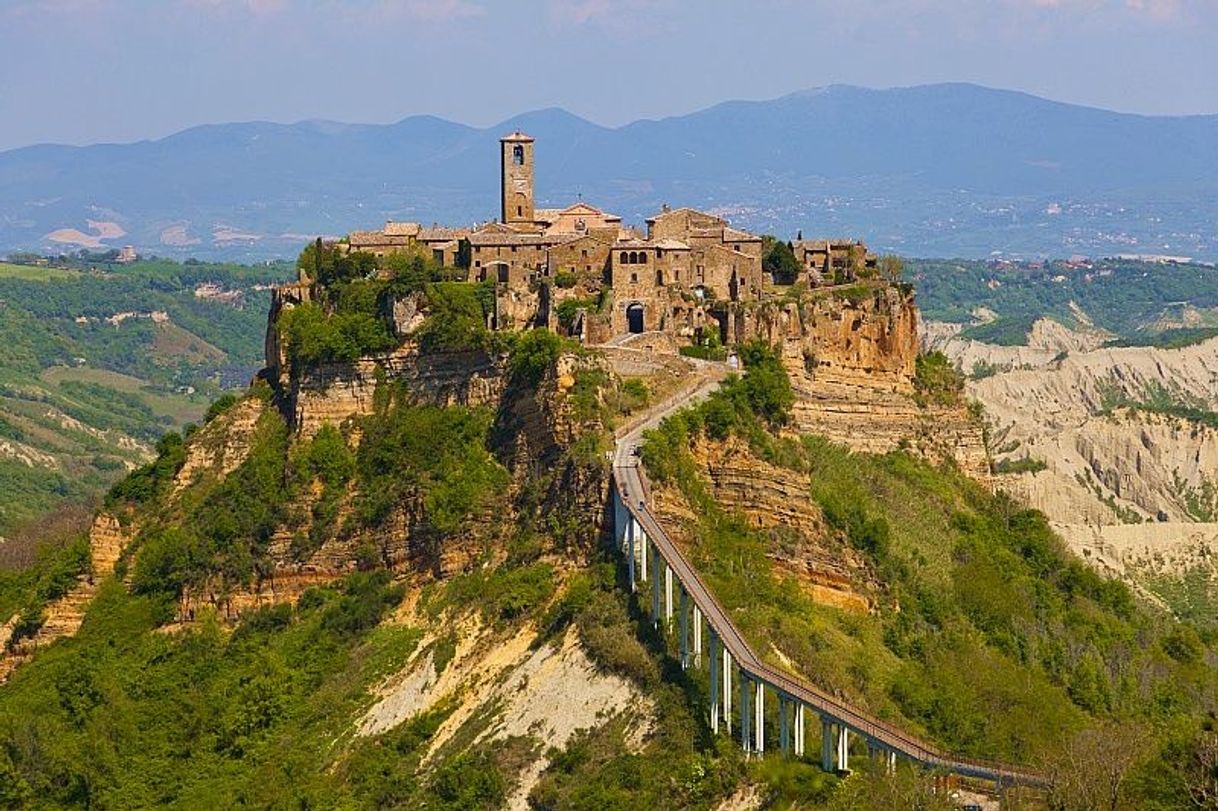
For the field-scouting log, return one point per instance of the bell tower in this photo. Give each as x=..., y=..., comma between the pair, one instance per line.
x=516, y=154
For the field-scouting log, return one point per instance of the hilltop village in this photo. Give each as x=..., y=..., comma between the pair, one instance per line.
x=675, y=277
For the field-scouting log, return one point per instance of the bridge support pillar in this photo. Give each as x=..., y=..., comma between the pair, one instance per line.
x=631, y=543
x=726, y=672
x=799, y=729
x=683, y=619
x=715, y=660
x=759, y=718
x=657, y=562
x=697, y=636
x=641, y=539
x=667, y=595
x=843, y=748
x=746, y=725
x=890, y=762
x=784, y=724
x=826, y=745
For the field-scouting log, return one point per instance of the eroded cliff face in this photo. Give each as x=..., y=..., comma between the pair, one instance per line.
x=1132, y=491
x=534, y=430
x=64, y=616
x=867, y=338
x=852, y=361
x=333, y=392
x=777, y=501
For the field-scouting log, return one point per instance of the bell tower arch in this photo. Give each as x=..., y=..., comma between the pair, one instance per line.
x=516, y=156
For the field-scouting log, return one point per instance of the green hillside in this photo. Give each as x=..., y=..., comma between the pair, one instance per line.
x=1128, y=298
x=988, y=636
x=97, y=363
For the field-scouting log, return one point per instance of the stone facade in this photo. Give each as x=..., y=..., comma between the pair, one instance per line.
x=679, y=276
x=829, y=261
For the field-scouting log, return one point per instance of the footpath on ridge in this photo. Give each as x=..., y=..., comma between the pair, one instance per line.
x=632, y=488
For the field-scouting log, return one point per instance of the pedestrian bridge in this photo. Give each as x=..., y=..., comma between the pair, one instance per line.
x=740, y=682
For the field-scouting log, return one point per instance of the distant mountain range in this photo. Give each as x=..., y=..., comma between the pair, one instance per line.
x=951, y=169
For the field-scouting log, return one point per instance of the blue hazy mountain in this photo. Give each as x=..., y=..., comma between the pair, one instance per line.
x=938, y=169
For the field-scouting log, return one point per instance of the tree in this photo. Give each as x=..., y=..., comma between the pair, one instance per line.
x=1089, y=770
x=1201, y=777
x=891, y=267
x=779, y=260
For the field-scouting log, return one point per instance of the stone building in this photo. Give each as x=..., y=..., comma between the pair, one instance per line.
x=830, y=261
x=676, y=277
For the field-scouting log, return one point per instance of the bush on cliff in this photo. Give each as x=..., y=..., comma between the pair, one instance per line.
x=456, y=319
x=311, y=336
x=937, y=381
x=431, y=456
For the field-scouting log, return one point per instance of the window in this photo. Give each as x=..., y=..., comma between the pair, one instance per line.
x=643, y=257
x=625, y=258
x=478, y=263
x=634, y=278
x=583, y=254
x=518, y=155
x=519, y=211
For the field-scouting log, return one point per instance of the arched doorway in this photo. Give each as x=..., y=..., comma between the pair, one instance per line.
x=634, y=318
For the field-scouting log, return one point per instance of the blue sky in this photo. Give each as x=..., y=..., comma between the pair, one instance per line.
x=84, y=71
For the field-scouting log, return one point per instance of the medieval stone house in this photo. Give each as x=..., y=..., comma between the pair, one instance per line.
x=666, y=279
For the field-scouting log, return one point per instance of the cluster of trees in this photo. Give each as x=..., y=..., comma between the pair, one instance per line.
x=1122, y=296
x=357, y=291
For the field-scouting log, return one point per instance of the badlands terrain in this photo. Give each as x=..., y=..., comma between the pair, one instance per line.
x=1117, y=445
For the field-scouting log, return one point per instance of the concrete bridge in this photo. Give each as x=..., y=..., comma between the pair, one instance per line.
x=740, y=682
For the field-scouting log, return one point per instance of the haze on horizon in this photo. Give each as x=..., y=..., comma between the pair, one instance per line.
x=88, y=71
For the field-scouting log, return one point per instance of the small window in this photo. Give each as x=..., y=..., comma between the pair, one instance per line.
x=478, y=263
x=634, y=278
x=583, y=254
x=518, y=155
x=519, y=211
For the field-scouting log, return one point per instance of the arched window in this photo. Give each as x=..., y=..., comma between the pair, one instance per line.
x=643, y=257
x=625, y=258
x=659, y=278
x=518, y=155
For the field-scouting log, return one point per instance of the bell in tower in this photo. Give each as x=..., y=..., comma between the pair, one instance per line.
x=517, y=178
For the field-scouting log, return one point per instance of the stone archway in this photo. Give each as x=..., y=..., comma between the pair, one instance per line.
x=634, y=318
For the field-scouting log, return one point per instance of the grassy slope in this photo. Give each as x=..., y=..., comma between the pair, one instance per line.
x=990, y=638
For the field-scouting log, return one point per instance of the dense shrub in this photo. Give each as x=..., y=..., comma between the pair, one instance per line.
x=456, y=320
x=149, y=482
x=937, y=381
x=533, y=354
x=428, y=456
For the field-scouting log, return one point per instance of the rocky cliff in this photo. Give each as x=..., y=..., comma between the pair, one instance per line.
x=851, y=356
x=64, y=616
